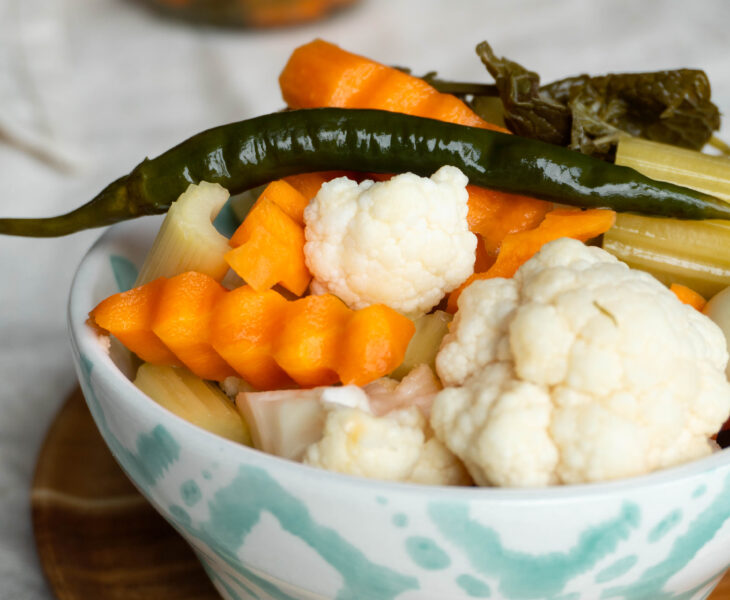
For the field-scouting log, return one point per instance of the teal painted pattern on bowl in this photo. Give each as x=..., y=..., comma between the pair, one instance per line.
x=266, y=529
x=125, y=272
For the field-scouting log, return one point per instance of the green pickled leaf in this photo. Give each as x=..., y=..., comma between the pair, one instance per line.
x=527, y=112
x=589, y=113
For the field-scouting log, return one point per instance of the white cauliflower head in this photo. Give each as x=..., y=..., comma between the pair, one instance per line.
x=404, y=242
x=395, y=447
x=578, y=369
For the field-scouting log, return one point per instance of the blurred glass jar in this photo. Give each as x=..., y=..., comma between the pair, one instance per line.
x=249, y=13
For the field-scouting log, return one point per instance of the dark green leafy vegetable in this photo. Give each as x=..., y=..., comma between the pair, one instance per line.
x=590, y=113
x=527, y=112
x=243, y=155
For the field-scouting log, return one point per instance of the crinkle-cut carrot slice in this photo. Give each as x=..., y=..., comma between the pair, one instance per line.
x=182, y=322
x=244, y=325
x=308, y=346
x=128, y=316
x=270, y=342
x=374, y=344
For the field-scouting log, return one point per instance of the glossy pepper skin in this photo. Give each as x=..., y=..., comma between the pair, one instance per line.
x=250, y=153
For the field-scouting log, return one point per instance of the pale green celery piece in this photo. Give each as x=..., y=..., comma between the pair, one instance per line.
x=195, y=400
x=425, y=343
x=693, y=253
x=187, y=240
x=689, y=168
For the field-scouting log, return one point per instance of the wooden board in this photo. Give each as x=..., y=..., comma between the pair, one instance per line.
x=97, y=537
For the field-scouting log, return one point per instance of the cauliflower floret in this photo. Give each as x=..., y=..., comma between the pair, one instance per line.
x=437, y=465
x=404, y=242
x=395, y=447
x=578, y=369
x=355, y=442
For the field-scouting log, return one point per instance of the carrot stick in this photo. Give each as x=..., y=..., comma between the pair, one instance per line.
x=493, y=216
x=518, y=248
x=321, y=74
x=688, y=296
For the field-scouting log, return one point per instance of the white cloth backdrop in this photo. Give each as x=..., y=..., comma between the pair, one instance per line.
x=90, y=87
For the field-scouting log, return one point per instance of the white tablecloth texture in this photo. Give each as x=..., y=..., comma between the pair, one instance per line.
x=90, y=87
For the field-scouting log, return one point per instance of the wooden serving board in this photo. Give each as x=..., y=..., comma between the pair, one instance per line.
x=97, y=537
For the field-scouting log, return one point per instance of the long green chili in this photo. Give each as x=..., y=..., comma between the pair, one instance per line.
x=250, y=153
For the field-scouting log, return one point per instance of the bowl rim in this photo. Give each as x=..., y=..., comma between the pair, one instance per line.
x=86, y=340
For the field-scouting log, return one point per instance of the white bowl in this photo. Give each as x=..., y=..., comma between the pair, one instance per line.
x=266, y=528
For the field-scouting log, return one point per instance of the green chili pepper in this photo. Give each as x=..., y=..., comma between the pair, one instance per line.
x=250, y=153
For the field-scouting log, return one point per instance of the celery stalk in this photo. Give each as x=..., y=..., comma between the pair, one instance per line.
x=425, y=343
x=187, y=240
x=193, y=399
x=688, y=168
x=693, y=253
x=687, y=252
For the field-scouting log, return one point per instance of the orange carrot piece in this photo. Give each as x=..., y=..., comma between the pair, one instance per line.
x=128, y=316
x=270, y=342
x=495, y=215
x=518, y=248
x=182, y=322
x=374, y=344
x=267, y=213
x=287, y=198
x=269, y=249
x=484, y=259
x=393, y=90
x=688, y=296
x=321, y=74
x=242, y=329
x=308, y=347
x=308, y=184
x=445, y=107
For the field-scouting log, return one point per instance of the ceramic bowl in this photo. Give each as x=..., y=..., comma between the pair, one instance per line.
x=265, y=528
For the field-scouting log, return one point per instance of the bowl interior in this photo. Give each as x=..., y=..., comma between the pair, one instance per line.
x=242, y=510
x=111, y=265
